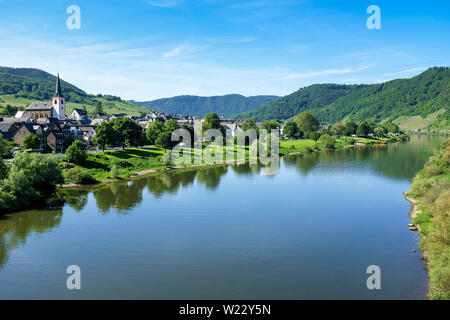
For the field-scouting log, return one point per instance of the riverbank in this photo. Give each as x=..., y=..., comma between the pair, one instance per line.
x=430, y=198
x=119, y=165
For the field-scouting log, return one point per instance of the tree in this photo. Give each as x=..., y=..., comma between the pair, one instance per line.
x=153, y=131
x=3, y=168
x=248, y=123
x=128, y=132
x=164, y=140
x=98, y=109
x=338, y=129
x=171, y=125
x=350, y=128
x=291, y=130
x=391, y=127
x=380, y=131
x=364, y=129
x=76, y=153
x=105, y=135
x=327, y=140
x=270, y=125
x=43, y=172
x=306, y=122
x=32, y=141
x=212, y=121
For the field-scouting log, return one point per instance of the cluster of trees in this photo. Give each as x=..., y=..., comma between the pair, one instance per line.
x=306, y=124
x=9, y=111
x=31, y=182
x=160, y=133
x=121, y=131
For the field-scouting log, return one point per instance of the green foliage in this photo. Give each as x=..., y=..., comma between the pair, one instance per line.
x=309, y=98
x=98, y=108
x=391, y=127
x=270, y=125
x=200, y=106
x=212, y=121
x=430, y=187
x=105, y=135
x=114, y=172
x=128, y=132
x=314, y=135
x=364, y=129
x=153, y=131
x=76, y=153
x=350, y=128
x=32, y=141
x=291, y=130
x=171, y=125
x=339, y=129
x=306, y=122
x=327, y=140
x=79, y=176
x=166, y=159
x=248, y=123
x=164, y=140
x=380, y=131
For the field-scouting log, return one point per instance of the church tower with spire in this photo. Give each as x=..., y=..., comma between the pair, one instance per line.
x=58, y=101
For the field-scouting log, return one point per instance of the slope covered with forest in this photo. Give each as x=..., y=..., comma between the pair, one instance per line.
x=199, y=106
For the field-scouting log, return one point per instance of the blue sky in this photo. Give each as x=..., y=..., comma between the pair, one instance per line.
x=147, y=49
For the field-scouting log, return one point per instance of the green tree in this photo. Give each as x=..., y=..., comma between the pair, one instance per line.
x=32, y=141
x=391, y=127
x=43, y=172
x=327, y=140
x=291, y=130
x=380, y=131
x=171, y=125
x=212, y=121
x=76, y=153
x=98, y=109
x=350, y=128
x=338, y=129
x=128, y=132
x=270, y=125
x=3, y=169
x=105, y=135
x=248, y=123
x=164, y=140
x=364, y=129
x=306, y=122
x=153, y=131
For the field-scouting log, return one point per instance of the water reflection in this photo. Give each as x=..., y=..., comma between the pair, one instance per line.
x=16, y=228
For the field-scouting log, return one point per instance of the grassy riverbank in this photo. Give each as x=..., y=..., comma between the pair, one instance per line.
x=123, y=164
x=430, y=194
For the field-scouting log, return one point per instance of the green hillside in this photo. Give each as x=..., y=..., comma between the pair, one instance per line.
x=308, y=98
x=21, y=86
x=200, y=106
x=422, y=102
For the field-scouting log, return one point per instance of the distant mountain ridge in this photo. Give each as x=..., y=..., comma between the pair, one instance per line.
x=199, y=106
x=423, y=99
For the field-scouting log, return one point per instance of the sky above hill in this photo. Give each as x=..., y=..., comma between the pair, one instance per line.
x=148, y=49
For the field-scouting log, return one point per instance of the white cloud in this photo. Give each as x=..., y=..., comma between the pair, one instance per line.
x=165, y=3
x=325, y=72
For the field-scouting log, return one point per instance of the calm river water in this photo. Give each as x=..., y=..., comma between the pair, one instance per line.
x=308, y=232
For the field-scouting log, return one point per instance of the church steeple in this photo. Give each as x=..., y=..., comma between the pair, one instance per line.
x=58, y=91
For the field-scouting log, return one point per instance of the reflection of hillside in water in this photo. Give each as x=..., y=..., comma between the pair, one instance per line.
x=16, y=228
x=396, y=160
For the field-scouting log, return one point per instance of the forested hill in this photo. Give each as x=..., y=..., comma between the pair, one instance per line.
x=418, y=102
x=21, y=86
x=200, y=106
x=421, y=95
x=309, y=98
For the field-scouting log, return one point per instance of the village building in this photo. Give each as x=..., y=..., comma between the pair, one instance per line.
x=78, y=114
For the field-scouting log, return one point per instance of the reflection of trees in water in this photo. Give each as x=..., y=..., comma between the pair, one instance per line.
x=210, y=177
x=169, y=182
x=396, y=160
x=17, y=227
x=121, y=195
x=246, y=169
x=76, y=199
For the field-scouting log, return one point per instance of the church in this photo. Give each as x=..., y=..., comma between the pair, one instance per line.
x=53, y=110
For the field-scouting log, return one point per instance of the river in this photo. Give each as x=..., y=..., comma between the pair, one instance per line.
x=308, y=232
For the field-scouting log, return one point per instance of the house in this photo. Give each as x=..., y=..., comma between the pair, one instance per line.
x=7, y=130
x=78, y=114
x=24, y=130
x=87, y=133
x=96, y=122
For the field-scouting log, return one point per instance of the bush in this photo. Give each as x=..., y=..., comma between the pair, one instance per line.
x=327, y=140
x=79, y=176
x=114, y=172
x=65, y=165
x=76, y=153
x=166, y=159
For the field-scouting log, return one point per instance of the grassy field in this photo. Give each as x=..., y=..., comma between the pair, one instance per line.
x=431, y=196
x=110, y=107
